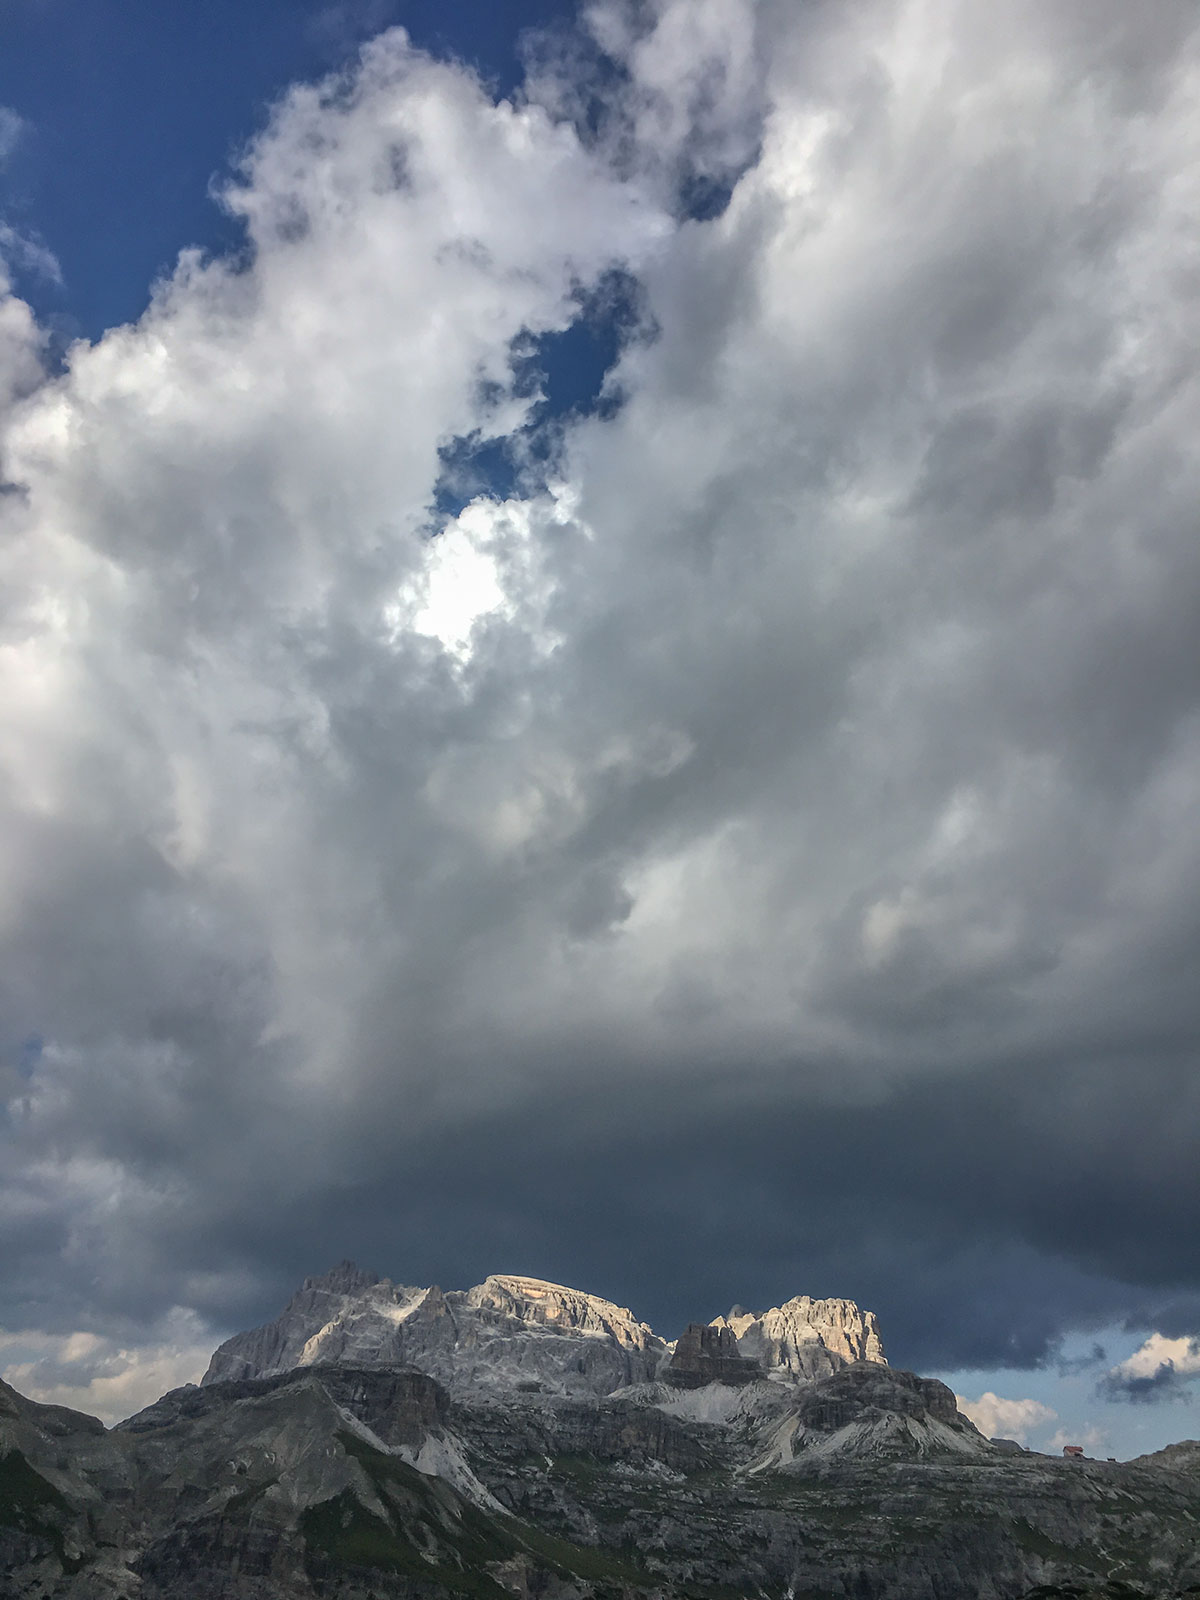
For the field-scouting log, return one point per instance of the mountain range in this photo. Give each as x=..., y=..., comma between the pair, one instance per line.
x=529, y=1440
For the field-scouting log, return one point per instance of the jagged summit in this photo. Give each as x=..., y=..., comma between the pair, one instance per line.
x=523, y=1335
x=346, y=1278
x=805, y=1338
x=509, y=1333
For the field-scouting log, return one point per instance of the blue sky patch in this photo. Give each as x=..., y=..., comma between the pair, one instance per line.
x=567, y=371
x=130, y=109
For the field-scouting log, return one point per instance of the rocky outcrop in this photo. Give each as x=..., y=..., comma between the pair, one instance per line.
x=706, y=1354
x=804, y=1338
x=65, y=1490
x=535, y=1303
x=506, y=1334
x=513, y=1334
x=867, y=1390
x=401, y=1406
x=869, y=1412
x=345, y=1315
x=1181, y=1457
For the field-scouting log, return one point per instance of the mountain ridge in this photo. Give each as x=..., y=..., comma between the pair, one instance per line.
x=509, y=1330
x=761, y=1454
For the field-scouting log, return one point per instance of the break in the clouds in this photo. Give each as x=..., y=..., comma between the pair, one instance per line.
x=753, y=855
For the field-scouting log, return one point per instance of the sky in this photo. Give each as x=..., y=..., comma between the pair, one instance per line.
x=597, y=676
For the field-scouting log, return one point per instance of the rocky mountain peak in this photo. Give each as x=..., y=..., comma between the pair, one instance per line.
x=515, y=1334
x=511, y=1333
x=427, y=1443
x=346, y=1278
x=553, y=1305
x=804, y=1338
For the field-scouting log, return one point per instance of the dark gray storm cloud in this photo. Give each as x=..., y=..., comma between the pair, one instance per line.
x=1164, y=1383
x=756, y=857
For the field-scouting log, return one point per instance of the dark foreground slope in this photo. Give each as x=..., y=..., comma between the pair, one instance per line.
x=338, y=1481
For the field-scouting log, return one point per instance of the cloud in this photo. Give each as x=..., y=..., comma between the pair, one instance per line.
x=21, y=345
x=28, y=254
x=94, y=1375
x=19, y=247
x=1068, y=1365
x=998, y=1418
x=12, y=128
x=749, y=854
x=344, y=24
x=1160, y=1369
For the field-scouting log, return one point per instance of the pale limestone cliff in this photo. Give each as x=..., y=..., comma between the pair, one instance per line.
x=514, y=1334
x=509, y=1333
x=551, y=1305
x=804, y=1338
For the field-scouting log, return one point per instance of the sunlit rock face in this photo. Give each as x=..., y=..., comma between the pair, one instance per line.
x=508, y=1333
x=804, y=1338
x=345, y=1316
x=550, y=1305
x=516, y=1334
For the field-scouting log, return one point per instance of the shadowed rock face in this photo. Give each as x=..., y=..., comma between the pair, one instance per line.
x=708, y=1354
x=349, y=1482
x=867, y=1389
x=401, y=1406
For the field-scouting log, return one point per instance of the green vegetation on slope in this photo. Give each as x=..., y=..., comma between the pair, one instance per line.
x=437, y=1538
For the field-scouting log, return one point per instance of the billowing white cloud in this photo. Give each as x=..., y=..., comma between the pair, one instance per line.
x=998, y=1418
x=1181, y=1355
x=21, y=343
x=830, y=712
x=1160, y=1368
